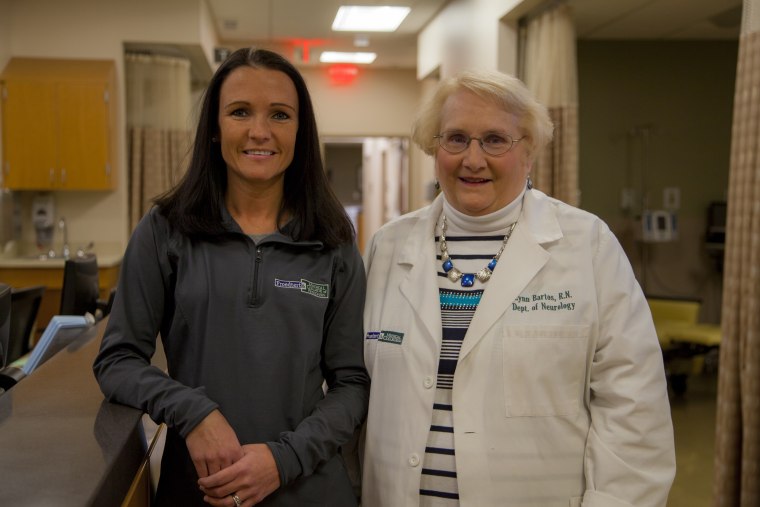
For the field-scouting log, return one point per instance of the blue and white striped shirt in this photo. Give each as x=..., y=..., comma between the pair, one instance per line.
x=469, y=251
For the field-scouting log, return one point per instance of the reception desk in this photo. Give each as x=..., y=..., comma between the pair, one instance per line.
x=61, y=443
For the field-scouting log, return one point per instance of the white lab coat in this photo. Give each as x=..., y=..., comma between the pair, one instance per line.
x=559, y=396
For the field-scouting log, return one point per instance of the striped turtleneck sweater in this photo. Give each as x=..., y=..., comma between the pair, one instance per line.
x=472, y=242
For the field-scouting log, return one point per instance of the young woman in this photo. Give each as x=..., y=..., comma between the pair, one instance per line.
x=249, y=272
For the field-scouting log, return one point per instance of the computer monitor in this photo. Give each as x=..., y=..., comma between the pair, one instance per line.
x=5, y=321
x=80, y=290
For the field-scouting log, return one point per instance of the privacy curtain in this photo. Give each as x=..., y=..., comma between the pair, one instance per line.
x=550, y=72
x=737, y=445
x=158, y=113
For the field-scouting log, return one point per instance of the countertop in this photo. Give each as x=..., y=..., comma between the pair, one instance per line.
x=104, y=261
x=108, y=256
x=61, y=443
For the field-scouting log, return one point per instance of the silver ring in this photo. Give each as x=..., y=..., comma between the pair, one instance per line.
x=237, y=500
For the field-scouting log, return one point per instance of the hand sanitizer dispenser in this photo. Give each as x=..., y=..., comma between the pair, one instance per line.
x=43, y=211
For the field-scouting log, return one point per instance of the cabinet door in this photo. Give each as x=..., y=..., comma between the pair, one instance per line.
x=30, y=135
x=84, y=135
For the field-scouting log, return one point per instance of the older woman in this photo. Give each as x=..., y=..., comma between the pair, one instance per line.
x=512, y=353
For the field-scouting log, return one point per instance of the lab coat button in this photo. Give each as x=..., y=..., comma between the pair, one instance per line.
x=428, y=382
x=414, y=460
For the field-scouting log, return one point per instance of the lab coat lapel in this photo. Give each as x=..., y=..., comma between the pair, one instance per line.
x=420, y=287
x=522, y=259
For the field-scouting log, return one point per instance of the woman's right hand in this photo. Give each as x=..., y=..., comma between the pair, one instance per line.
x=213, y=445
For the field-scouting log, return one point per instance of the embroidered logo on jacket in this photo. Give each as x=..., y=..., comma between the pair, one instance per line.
x=320, y=290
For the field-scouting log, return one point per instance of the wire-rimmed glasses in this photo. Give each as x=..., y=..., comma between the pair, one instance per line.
x=494, y=143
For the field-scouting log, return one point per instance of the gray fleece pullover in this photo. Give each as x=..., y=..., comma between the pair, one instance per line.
x=254, y=330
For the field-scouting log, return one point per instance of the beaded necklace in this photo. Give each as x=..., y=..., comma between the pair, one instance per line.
x=468, y=279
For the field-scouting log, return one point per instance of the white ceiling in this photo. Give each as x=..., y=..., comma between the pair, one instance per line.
x=283, y=24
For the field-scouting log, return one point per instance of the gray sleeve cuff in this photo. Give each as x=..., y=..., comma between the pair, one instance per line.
x=288, y=464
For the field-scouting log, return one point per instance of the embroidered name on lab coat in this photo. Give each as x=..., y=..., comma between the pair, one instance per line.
x=546, y=302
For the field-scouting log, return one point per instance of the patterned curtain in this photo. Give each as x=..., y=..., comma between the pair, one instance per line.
x=157, y=161
x=158, y=114
x=550, y=72
x=737, y=445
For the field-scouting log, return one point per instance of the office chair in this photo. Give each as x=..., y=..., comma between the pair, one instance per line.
x=5, y=322
x=25, y=304
x=81, y=287
x=9, y=375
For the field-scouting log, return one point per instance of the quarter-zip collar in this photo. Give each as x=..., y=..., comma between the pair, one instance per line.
x=284, y=236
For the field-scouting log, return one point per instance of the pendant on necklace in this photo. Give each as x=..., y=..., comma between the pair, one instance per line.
x=468, y=279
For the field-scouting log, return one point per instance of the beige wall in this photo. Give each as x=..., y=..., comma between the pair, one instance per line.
x=379, y=103
x=468, y=34
x=98, y=29
x=5, y=32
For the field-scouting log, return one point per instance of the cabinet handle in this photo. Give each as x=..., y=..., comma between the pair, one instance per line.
x=52, y=176
x=63, y=176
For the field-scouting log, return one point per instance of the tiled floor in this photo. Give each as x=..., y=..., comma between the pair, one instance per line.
x=694, y=427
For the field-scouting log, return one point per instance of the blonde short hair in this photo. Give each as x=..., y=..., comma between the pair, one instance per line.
x=504, y=90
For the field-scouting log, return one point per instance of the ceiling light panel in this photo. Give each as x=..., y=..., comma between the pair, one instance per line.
x=339, y=57
x=366, y=18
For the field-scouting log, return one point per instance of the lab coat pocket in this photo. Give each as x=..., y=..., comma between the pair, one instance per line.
x=544, y=368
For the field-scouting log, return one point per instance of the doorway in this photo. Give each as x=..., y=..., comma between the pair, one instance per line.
x=370, y=176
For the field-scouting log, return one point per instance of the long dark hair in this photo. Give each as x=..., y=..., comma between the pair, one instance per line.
x=193, y=207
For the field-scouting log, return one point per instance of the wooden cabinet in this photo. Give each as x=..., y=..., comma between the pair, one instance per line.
x=59, y=124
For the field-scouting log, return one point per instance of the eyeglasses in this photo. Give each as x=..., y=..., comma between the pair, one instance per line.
x=493, y=143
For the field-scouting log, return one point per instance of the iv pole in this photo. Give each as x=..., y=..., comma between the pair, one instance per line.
x=643, y=132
